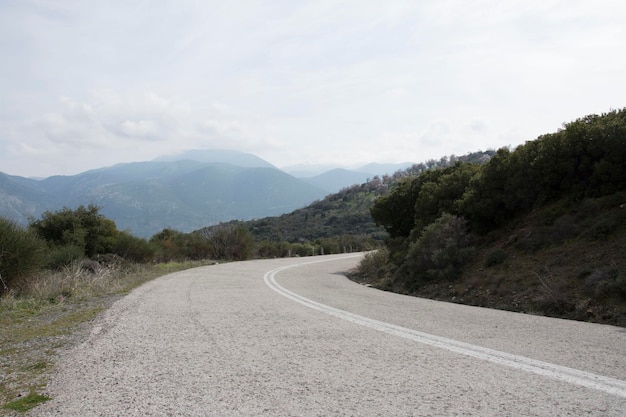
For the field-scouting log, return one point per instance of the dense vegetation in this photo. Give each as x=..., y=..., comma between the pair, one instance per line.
x=563, y=187
x=84, y=237
x=146, y=196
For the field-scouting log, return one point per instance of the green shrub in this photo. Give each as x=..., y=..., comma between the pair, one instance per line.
x=374, y=265
x=83, y=227
x=62, y=256
x=600, y=227
x=496, y=257
x=233, y=243
x=133, y=248
x=21, y=253
x=302, y=249
x=439, y=251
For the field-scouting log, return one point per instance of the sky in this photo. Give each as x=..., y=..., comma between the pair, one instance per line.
x=87, y=84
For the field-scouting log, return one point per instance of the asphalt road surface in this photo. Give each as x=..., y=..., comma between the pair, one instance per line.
x=293, y=337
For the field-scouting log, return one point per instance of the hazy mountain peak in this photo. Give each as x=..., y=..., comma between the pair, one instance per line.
x=223, y=156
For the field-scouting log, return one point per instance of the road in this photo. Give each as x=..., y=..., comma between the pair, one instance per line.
x=293, y=337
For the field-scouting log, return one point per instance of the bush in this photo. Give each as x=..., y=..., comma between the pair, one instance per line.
x=267, y=249
x=83, y=227
x=21, y=253
x=439, y=252
x=496, y=257
x=133, y=248
x=374, y=266
x=63, y=256
x=597, y=228
x=233, y=243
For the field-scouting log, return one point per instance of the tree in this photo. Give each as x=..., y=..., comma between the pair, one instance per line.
x=84, y=228
x=170, y=244
x=230, y=242
x=396, y=211
x=438, y=253
x=441, y=192
x=133, y=248
x=21, y=253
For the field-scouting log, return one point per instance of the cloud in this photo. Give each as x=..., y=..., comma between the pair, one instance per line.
x=95, y=83
x=107, y=124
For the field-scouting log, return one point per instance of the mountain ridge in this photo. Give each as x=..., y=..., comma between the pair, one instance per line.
x=201, y=189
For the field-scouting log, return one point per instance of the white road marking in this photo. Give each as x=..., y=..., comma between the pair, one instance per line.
x=573, y=376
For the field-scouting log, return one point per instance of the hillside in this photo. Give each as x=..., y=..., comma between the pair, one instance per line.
x=560, y=260
x=146, y=197
x=344, y=213
x=539, y=229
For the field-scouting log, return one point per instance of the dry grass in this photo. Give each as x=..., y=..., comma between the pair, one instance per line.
x=52, y=313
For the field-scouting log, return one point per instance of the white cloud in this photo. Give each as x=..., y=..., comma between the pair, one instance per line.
x=90, y=84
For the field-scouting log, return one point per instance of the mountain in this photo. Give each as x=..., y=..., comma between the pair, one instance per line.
x=345, y=212
x=342, y=214
x=221, y=156
x=334, y=180
x=146, y=197
x=20, y=197
x=337, y=179
x=308, y=170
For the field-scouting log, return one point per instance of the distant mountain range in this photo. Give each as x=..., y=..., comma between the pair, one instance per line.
x=336, y=179
x=185, y=192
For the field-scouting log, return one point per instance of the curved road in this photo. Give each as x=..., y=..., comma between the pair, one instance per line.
x=293, y=337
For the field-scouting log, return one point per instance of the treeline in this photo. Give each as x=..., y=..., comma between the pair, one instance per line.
x=83, y=235
x=59, y=239
x=430, y=217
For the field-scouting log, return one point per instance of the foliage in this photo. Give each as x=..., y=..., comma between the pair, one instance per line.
x=587, y=158
x=340, y=214
x=133, y=248
x=233, y=243
x=62, y=256
x=495, y=257
x=374, y=267
x=438, y=253
x=83, y=227
x=172, y=245
x=21, y=253
x=396, y=211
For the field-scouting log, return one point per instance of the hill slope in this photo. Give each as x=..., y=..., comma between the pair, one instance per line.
x=343, y=213
x=570, y=265
x=540, y=229
x=145, y=197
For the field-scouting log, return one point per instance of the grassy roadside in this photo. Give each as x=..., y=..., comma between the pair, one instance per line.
x=53, y=314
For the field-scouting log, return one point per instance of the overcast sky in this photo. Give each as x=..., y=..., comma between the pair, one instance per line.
x=87, y=84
